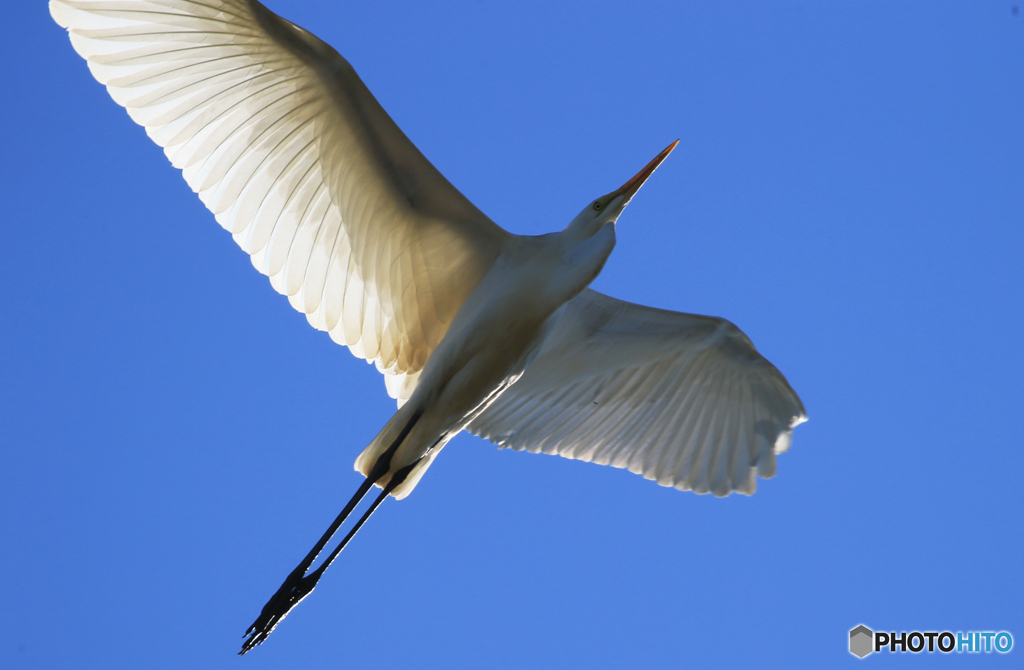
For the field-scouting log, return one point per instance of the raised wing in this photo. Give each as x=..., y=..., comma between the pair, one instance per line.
x=682, y=399
x=287, y=147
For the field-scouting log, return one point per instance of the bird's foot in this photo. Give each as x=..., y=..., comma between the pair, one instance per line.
x=292, y=591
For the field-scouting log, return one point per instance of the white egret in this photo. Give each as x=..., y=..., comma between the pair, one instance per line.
x=473, y=327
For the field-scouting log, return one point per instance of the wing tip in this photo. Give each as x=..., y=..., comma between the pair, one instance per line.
x=60, y=13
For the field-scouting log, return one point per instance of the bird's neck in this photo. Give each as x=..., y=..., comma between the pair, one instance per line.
x=582, y=228
x=585, y=249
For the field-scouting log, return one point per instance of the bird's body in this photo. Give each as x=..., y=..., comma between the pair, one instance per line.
x=491, y=341
x=474, y=328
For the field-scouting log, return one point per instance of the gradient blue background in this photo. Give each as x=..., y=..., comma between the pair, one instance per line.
x=849, y=190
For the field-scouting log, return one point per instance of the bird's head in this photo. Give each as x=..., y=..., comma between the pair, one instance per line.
x=607, y=208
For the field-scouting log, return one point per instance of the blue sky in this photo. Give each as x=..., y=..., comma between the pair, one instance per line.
x=848, y=189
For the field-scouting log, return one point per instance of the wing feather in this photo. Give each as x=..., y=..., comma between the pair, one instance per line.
x=285, y=145
x=681, y=399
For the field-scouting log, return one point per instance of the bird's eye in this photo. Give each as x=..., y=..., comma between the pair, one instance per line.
x=597, y=205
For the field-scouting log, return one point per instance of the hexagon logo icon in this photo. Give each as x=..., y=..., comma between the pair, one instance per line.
x=861, y=641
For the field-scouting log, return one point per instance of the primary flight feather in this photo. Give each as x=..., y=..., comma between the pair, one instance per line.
x=474, y=328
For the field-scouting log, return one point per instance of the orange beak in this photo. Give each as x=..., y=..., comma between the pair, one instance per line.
x=630, y=188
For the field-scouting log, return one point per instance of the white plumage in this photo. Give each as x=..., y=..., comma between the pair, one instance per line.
x=684, y=400
x=283, y=146
x=473, y=327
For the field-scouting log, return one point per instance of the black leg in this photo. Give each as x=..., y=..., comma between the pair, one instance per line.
x=285, y=600
x=397, y=479
x=298, y=585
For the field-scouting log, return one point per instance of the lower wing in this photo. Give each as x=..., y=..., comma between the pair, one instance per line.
x=682, y=399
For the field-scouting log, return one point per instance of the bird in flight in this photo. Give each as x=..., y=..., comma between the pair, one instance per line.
x=473, y=327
